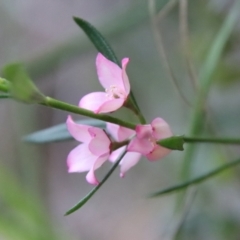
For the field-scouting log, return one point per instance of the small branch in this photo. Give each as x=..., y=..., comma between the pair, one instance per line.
x=162, y=53
x=211, y=140
x=165, y=10
x=184, y=38
x=54, y=103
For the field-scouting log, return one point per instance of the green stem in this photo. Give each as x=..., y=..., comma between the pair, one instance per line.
x=197, y=180
x=94, y=190
x=54, y=103
x=206, y=79
x=211, y=140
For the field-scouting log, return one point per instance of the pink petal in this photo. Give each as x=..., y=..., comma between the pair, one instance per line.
x=93, y=101
x=158, y=153
x=125, y=76
x=116, y=154
x=90, y=177
x=161, y=129
x=111, y=105
x=125, y=133
x=129, y=160
x=119, y=133
x=80, y=159
x=143, y=146
x=100, y=144
x=78, y=131
x=109, y=73
x=144, y=131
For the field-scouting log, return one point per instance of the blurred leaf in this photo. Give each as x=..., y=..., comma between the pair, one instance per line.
x=4, y=85
x=59, y=132
x=21, y=87
x=22, y=215
x=227, y=74
x=4, y=95
x=97, y=39
x=197, y=180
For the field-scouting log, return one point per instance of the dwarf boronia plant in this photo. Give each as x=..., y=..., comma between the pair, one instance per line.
x=101, y=136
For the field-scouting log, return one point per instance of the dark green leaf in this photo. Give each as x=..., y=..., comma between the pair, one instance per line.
x=97, y=39
x=59, y=132
x=21, y=88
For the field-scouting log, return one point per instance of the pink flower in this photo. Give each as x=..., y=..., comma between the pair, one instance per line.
x=147, y=135
x=96, y=149
x=92, y=153
x=130, y=159
x=116, y=84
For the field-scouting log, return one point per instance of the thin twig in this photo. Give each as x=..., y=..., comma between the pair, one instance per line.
x=165, y=10
x=184, y=38
x=162, y=53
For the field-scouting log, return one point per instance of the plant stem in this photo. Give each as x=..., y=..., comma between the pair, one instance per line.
x=205, y=78
x=54, y=103
x=211, y=140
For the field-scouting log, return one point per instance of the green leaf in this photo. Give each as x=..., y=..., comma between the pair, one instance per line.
x=174, y=143
x=94, y=190
x=197, y=180
x=21, y=88
x=97, y=39
x=59, y=132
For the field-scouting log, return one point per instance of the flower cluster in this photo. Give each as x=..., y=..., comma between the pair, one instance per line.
x=99, y=145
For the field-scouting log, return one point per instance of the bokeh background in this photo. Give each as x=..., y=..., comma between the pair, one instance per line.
x=35, y=188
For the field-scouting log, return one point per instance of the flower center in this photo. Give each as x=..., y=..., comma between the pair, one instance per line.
x=115, y=92
x=152, y=141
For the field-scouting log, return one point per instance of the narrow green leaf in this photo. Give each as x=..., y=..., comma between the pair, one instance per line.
x=197, y=180
x=97, y=39
x=94, y=190
x=174, y=143
x=59, y=132
x=21, y=88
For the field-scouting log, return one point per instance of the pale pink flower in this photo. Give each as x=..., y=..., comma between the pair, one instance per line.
x=146, y=138
x=130, y=159
x=116, y=84
x=92, y=153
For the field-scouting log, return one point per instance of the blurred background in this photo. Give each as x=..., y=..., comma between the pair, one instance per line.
x=35, y=188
